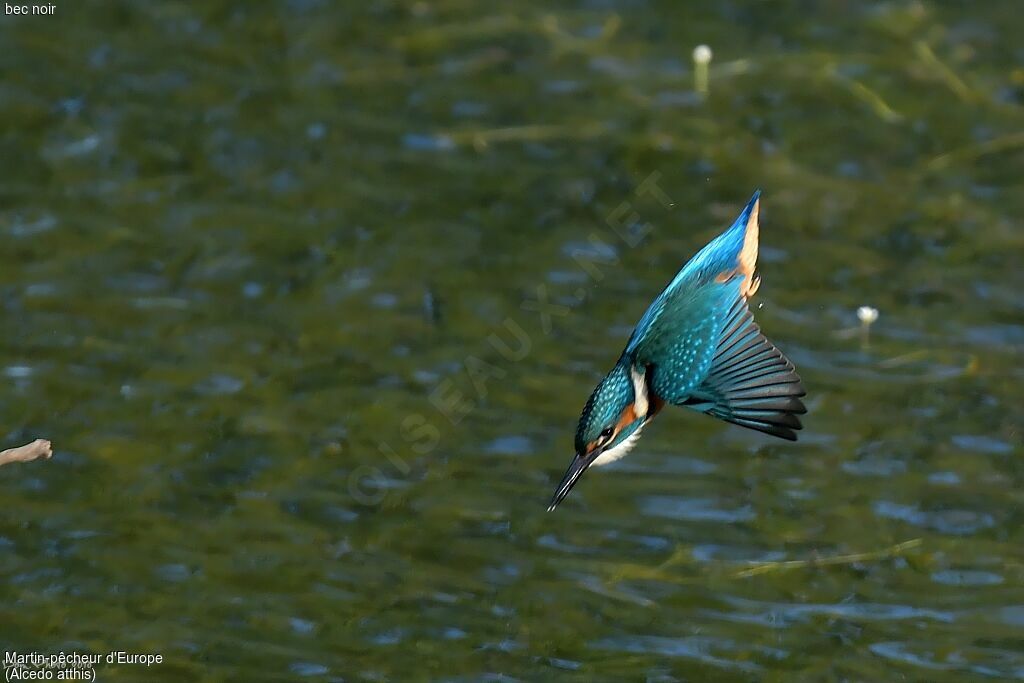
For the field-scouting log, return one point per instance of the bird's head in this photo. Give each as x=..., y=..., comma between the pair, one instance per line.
x=609, y=425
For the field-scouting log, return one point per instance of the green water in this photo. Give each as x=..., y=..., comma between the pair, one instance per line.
x=260, y=261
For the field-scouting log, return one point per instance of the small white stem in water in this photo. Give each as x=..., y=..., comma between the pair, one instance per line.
x=701, y=59
x=866, y=315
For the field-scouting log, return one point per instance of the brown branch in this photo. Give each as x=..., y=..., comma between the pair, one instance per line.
x=40, y=448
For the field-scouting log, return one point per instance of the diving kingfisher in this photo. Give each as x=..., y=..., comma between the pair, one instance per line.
x=696, y=346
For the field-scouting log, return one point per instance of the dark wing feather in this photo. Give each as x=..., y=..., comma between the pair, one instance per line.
x=750, y=383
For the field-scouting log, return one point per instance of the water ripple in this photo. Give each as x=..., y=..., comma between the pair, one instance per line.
x=966, y=577
x=714, y=651
x=954, y=522
x=775, y=612
x=695, y=509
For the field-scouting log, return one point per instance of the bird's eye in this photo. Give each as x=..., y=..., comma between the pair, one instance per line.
x=606, y=433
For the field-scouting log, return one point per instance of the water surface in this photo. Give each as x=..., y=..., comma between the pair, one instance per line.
x=309, y=296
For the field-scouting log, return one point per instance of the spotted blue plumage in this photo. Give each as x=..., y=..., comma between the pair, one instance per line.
x=717, y=255
x=696, y=346
x=603, y=408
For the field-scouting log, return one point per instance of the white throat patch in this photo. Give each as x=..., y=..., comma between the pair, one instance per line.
x=620, y=451
x=640, y=404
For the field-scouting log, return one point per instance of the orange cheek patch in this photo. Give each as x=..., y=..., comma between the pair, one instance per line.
x=627, y=417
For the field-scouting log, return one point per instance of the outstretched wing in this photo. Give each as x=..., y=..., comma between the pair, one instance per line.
x=750, y=383
x=701, y=346
x=731, y=254
x=678, y=347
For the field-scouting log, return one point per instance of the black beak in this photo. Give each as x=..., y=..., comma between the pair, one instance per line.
x=579, y=465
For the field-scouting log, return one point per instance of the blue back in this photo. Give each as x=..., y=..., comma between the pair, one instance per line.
x=720, y=254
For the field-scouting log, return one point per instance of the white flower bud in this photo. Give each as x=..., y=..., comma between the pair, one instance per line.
x=867, y=314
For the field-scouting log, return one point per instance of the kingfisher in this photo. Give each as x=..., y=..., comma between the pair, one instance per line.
x=696, y=346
